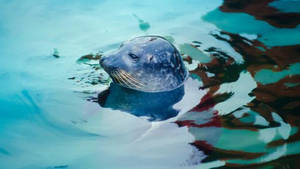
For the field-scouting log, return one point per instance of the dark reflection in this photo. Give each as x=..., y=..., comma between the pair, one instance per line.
x=154, y=106
x=261, y=10
x=260, y=133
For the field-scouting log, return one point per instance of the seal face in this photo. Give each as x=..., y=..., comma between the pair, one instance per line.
x=146, y=63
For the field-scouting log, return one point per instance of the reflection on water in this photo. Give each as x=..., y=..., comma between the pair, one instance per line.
x=153, y=106
x=239, y=108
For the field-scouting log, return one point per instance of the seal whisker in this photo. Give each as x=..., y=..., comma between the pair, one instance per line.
x=127, y=75
x=115, y=77
x=122, y=80
x=130, y=80
x=127, y=81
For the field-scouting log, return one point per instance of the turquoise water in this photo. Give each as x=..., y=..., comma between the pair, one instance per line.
x=245, y=113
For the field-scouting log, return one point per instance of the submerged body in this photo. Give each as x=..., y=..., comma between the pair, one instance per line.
x=153, y=106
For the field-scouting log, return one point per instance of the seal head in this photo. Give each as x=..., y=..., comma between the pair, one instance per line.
x=146, y=63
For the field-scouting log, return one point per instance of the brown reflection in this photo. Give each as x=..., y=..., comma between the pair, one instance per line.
x=261, y=10
x=277, y=96
x=267, y=98
x=287, y=162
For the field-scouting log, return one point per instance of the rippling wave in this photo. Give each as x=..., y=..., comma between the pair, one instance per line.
x=239, y=109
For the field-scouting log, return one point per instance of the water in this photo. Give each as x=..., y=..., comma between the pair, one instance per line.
x=245, y=114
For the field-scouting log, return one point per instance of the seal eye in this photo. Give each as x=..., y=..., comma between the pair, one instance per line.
x=133, y=56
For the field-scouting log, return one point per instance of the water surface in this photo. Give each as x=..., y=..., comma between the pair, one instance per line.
x=241, y=102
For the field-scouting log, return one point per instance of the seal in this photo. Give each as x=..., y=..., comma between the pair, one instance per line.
x=146, y=63
x=148, y=76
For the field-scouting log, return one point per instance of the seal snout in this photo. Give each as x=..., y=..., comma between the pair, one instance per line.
x=107, y=64
x=103, y=62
